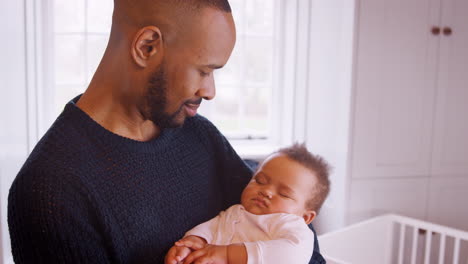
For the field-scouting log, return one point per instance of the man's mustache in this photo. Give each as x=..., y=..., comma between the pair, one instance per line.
x=194, y=101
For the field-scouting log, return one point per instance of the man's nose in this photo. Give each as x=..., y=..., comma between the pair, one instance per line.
x=207, y=90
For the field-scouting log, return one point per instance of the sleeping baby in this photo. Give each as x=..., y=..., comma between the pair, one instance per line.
x=271, y=223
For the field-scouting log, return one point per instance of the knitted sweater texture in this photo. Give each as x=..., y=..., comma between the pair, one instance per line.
x=86, y=195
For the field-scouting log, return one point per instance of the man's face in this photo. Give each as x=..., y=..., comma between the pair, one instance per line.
x=177, y=87
x=280, y=185
x=156, y=98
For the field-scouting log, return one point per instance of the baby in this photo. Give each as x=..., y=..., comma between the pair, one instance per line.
x=270, y=224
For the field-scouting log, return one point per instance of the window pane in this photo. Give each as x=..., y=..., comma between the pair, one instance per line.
x=63, y=94
x=95, y=50
x=69, y=16
x=238, y=13
x=225, y=110
x=69, y=60
x=259, y=58
x=244, y=87
x=232, y=73
x=259, y=16
x=99, y=15
x=256, y=110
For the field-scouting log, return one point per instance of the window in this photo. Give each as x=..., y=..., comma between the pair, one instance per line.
x=244, y=88
x=80, y=32
x=257, y=91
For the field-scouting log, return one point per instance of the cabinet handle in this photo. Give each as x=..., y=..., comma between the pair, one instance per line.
x=435, y=30
x=447, y=31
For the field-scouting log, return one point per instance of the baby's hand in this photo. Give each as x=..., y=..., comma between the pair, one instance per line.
x=183, y=248
x=210, y=254
x=192, y=242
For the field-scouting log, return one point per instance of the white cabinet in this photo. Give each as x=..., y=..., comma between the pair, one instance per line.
x=451, y=119
x=395, y=79
x=409, y=139
x=372, y=197
x=447, y=201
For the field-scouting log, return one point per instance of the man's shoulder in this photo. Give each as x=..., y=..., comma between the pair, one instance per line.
x=205, y=130
x=61, y=149
x=57, y=146
x=200, y=122
x=49, y=161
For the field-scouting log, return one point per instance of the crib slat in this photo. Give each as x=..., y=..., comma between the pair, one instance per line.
x=456, y=250
x=442, y=249
x=427, y=249
x=401, y=245
x=414, y=246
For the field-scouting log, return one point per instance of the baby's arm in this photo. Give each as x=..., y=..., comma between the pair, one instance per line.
x=291, y=242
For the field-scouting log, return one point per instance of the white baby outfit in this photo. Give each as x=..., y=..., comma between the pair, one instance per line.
x=278, y=238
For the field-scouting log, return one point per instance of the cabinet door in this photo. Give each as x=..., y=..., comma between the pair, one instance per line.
x=451, y=125
x=373, y=197
x=447, y=201
x=395, y=79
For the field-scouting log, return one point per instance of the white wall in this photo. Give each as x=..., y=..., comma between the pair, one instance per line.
x=329, y=99
x=13, y=108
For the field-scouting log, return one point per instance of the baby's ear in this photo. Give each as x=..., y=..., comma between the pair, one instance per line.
x=309, y=216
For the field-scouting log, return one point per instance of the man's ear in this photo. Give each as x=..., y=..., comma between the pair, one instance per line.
x=309, y=216
x=147, y=43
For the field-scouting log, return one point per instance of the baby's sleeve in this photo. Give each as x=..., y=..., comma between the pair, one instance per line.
x=209, y=230
x=291, y=242
x=205, y=230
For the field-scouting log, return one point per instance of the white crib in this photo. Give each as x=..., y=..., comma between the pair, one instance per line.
x=395, y=239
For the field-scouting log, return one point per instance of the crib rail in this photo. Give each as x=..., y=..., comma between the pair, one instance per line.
x=430, y=230
x=393, y=239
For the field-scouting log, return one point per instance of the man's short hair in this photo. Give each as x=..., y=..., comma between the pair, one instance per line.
x=318, y=166
x=186, y=5
x=222, y=5
x=169, y=15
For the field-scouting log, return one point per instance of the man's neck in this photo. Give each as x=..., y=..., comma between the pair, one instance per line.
x=121, y=118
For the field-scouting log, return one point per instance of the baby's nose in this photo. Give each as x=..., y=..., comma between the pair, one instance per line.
x=267, y=194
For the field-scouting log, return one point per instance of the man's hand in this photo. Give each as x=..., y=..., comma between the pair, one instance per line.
x=183, y=248
x=210, y=254
x=176, y=254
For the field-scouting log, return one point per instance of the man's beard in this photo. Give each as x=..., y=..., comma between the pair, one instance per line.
x=156, y=102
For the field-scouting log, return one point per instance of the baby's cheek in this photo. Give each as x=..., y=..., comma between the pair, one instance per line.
x=287, y=206
x=284, y=206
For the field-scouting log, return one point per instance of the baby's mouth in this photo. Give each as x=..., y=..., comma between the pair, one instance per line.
x=260, y=202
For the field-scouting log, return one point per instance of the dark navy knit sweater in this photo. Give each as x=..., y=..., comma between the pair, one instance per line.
x=86, y=195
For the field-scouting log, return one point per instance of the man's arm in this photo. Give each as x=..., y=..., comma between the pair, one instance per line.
x=317, y=258
x=236, y=173
x=213, y=254
x=50, y=221
x=194, y=239
x=233, y=173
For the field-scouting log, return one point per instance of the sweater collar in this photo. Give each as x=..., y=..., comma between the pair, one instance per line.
x=93, y=129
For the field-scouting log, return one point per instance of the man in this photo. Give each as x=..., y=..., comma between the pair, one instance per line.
x=128, y=167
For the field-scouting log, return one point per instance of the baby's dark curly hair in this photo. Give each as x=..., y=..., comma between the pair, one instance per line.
x=320, y=168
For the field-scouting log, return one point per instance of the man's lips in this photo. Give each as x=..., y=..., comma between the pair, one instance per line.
x=191, y=109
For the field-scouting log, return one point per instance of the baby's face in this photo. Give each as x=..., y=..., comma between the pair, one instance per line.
x=280, y=185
